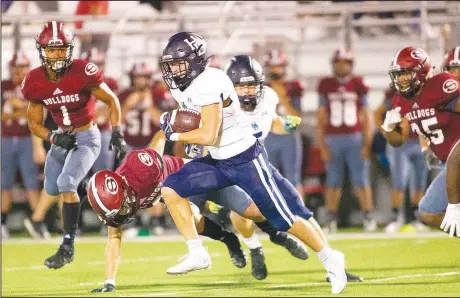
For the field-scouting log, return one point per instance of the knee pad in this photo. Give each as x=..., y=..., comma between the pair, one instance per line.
x=51, y=188
x=66, y=183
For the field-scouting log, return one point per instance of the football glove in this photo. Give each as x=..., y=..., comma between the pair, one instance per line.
x=165, y=125
x=213, y=207
x=119, y=143
x=105, y=288
x=392, y=118
x=193, y=151
x=451, y=222
x=291, y=123
x=432, y=162
x=64, y=140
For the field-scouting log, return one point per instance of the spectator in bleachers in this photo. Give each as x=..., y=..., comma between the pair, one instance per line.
x=285, y=151
x=407, y=165
x=345, y=137
x=19, y=147
x=100, y=41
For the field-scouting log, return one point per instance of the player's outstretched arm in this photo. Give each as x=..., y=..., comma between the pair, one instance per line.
x=207, y=134
x=158, y=142
x=451, y=221
x=112, y=259
x=106, y=95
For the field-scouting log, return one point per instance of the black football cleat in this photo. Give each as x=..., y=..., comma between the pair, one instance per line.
x=259, y=269
x=293, y=246
x=350, y=278
x=63, y=256
x=237, y=254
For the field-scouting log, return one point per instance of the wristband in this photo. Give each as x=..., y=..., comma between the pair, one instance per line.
x=174, y=137
x=110, y=281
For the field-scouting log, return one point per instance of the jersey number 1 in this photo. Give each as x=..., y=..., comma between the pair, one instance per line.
x=435, y=136
x=65, y=115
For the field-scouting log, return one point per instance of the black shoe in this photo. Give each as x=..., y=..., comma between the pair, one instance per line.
x=237, y=254
x=293, y=246
x=259, y=269
x=350, y=278
x=63, y=256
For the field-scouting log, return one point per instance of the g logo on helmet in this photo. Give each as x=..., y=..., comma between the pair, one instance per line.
x=91, y=69
x=418, y=54
x=145, y=159
x=111, y=185
x=450, y=86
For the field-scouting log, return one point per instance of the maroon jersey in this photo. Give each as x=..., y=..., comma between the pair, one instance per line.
x=430, y=116
x=139, y=128
x=342, y=101
x=113, y=85
x=145, y=170
x=294, y=90
x=69, y=100
x=13, y=127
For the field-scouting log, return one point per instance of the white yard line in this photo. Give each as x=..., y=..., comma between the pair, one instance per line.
x=181, y=293
x=179, y=238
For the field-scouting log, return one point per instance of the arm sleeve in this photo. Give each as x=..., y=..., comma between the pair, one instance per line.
x=322, y=100
x=363, y=101
x=26, y=88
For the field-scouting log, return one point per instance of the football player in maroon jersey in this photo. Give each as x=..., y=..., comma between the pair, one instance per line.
x=67, y=88
x=135, y=185
x=19, y=149
x=140, y=106
x=345, y=136
x=429, y=106
x=406, y=162
x=452, y=62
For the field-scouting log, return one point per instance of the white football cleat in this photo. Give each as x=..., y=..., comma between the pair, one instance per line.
x=199, y=260
x=393, y=227
x=370, y=225
x=336, y=272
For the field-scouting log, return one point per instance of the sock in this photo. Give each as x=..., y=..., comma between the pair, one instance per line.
x=4, y=217
x=275, y=235
x=162, y=220
x=414, y=209
x=324, y=253
x=331, y=216
x=368, y=215
x=394, y=214
x=252, y=242
x=155, y=221
x=194, y=244
x=216, y=232
x=70, y=216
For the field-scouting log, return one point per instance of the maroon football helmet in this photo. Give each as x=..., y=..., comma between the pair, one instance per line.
x=55, y=34
x=451, y=59
x=112, y=198
x=413, y=63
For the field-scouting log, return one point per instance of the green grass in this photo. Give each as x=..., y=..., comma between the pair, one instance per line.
x=408, y=267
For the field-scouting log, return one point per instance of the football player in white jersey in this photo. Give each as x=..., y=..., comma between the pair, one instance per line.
x=236, y=157
x=259, y=103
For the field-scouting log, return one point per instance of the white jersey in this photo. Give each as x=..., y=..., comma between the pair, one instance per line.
x=260, y=120
x=214, y=86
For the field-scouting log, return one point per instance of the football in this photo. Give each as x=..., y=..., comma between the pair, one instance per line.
x=184, y=120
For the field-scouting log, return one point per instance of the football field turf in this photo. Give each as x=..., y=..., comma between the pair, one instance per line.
x=404, y=265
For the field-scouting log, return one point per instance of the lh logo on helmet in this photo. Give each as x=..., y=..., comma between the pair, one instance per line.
x=111, y=185
x=196, y=45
